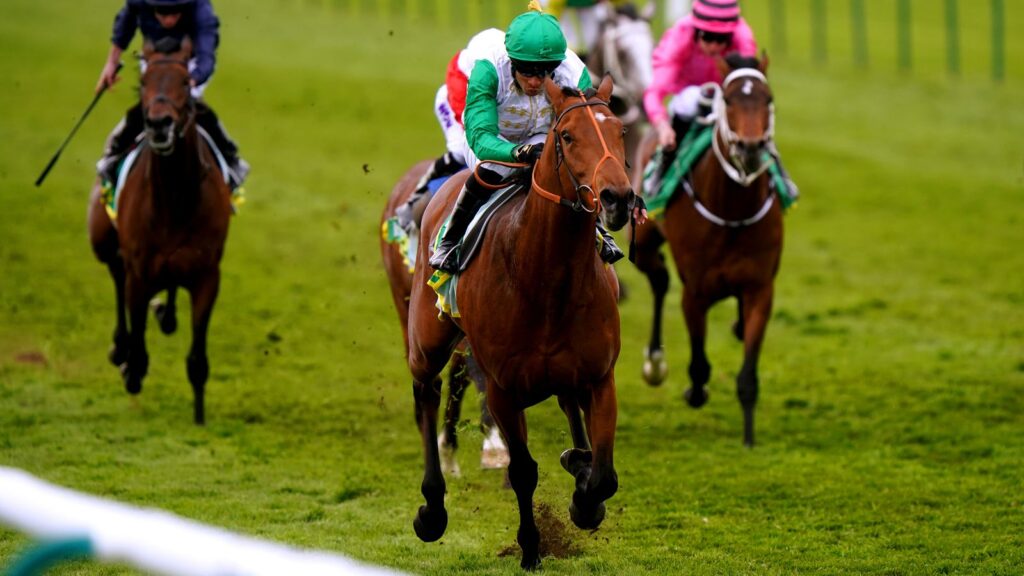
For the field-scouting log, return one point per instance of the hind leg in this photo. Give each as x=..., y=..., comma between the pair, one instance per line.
x=522, y=471
x=494, y=451
x=695, y=312
x=204, y=294
x=448, y=442
x=651, y=262
x=104, y=241
x=166, y=312
x=757, y=310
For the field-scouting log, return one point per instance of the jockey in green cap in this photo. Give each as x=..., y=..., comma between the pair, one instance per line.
x=508, y=116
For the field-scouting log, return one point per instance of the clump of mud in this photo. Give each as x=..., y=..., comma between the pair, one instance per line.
x=555, y=537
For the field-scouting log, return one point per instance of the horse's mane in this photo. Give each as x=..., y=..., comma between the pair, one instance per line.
x=167, y=45
x=736, y=61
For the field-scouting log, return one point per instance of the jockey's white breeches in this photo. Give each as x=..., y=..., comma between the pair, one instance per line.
x=454, y=131
x=685, y=103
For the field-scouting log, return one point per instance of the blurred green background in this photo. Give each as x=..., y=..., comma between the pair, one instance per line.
x=890, y=428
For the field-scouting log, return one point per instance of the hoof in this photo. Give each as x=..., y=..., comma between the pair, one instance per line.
x=430, y=527
x=575, y=460
x=132, y=383
x=587, y=521
x=655, y=366
x=696, y=397
x=117, y=355
x=165, y=317
x=530, y=564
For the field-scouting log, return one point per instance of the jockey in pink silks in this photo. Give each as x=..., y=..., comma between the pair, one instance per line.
x=685, y=59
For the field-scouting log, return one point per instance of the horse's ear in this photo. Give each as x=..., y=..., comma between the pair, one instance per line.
x=604, y=91
x=648, y=11
x=554, y=93
x=763, y=64
x=723, y=67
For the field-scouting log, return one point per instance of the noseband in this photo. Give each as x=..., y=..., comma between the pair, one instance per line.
x=734, y=167
x=578, y=205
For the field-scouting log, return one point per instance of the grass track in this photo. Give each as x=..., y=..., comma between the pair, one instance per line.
x=892, y=378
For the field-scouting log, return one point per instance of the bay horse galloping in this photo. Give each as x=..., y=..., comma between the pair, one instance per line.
x=462, y=369
x=726, y=237
x=539, y=308
x=171, y=223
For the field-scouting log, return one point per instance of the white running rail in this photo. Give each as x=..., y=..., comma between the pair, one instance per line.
x=153, y=540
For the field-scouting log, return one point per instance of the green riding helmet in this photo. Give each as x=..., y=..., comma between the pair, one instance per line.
x=535, y=37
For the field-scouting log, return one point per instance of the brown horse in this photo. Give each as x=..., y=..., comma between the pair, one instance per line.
x=726, y=238
x=538, y=306
x=172, y=221
x=463, y=370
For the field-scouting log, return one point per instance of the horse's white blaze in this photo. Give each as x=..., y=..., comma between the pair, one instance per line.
x=600, y=116
x=748, y=87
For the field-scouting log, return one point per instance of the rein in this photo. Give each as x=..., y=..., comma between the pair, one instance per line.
x=578, y=205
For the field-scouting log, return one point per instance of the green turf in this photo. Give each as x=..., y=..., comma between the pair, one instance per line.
x=890, y=427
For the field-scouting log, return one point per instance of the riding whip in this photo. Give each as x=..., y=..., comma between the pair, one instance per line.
x=95, y=99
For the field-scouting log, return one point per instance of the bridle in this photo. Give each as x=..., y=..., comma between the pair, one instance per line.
x=735, y=169
x=579, y=204
x=190, y=108
x=733, y=166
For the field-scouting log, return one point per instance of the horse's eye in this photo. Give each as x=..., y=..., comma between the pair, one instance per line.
x=566, y=137
x=625, y=130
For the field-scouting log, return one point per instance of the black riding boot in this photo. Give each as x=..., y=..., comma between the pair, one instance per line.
x=474, y=195
x=412, y=210
x=238, y=169
x=119, y=143
x=610, y=251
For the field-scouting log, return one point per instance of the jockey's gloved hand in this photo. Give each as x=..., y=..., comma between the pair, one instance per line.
x=528, y=153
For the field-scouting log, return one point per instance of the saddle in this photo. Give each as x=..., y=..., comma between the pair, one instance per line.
x=112, y=190
x=445, y=284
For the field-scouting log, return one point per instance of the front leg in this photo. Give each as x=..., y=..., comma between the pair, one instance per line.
x=522, y=470
x=597, y=481
x=757, y=309
x=695, y=310
x=197, y=365
x=137, y=364
x=431, y=519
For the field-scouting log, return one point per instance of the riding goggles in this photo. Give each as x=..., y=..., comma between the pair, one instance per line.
x=714, y=37
x=534, y=69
